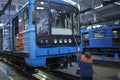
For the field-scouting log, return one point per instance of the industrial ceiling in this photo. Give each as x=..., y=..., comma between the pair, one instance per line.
x=90, y=10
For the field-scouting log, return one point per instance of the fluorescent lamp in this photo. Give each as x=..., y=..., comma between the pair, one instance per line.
x=99, y=6
x=1, y=24
x=117, y=3
x=42, y=3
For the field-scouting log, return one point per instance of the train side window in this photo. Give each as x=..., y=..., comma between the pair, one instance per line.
x=116, y=33
x=85, y=36
x=26, y=16
x=85, y=39
x=6, y=30
x=99, y=34
x=116, y=37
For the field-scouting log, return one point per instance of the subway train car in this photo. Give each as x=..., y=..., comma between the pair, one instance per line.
x=102, y=40
x=42, y=32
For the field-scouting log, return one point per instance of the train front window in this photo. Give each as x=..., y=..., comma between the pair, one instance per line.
x=63, y=22
x=42, y=21
x=61, y=19
x=76, y=24
x=56, y=19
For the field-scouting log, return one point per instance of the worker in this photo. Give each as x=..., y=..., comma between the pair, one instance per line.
x=85, y=65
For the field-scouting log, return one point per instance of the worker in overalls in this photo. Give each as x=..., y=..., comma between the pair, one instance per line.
x=85, y=65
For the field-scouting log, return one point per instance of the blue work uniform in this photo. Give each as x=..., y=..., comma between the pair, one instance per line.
x=86, y=71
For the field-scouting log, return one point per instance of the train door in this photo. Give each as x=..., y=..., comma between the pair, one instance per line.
x=1, y=41
x=15, y=34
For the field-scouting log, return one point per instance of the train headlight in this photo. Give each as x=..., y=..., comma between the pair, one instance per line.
x=60, y=41
x=46, y=41
x=65, y=40
x=70, y=40
x=41, y=41
x=55, y=41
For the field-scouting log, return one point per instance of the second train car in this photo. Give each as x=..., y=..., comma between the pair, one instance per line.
x=102, y=40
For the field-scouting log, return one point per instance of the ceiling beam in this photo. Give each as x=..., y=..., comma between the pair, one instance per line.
x=5, y=7
x=85, y=10
x=109, y=2
x=105, y=3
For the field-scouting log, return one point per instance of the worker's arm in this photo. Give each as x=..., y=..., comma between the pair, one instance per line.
x=78, y=54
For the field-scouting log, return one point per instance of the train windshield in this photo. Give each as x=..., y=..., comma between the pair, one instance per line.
x=59, y=19
x=42, y=21
x=64, y=22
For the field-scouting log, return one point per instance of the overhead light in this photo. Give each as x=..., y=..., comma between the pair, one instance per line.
x=99, y=6
x=117, y=3
x=42, y=2
x=1, y=24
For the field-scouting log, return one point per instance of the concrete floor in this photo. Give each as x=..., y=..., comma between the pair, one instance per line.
x=102, y=73
x=13, y=75
x=3, y=75
x=106, y=73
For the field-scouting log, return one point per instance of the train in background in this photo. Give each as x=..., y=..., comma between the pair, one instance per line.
x=103, y=40
x=42, y=33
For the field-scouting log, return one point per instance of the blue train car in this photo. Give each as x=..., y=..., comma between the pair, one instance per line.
x=101, y=40
x=44, y=30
